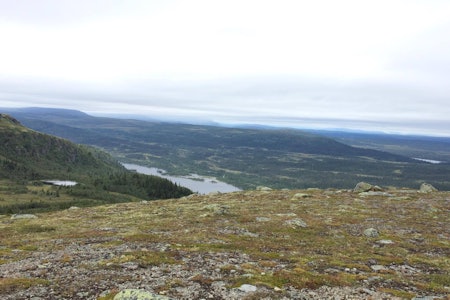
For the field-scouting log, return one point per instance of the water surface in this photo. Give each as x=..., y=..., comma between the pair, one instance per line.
x=194, y=182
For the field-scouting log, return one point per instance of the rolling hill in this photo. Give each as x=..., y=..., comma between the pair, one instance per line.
x=279, y=158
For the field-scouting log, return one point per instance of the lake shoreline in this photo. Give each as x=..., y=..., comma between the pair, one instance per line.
x=197, y=183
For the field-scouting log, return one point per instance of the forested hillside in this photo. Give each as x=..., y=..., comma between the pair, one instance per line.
x=28, y=157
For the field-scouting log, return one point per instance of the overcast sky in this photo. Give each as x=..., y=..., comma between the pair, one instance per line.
x=373, y=65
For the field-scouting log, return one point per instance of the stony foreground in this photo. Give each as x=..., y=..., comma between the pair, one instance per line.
x=309, y=244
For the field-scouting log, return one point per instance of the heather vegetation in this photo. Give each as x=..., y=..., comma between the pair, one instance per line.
x=291, y=244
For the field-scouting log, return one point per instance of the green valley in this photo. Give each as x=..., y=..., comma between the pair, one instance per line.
x=244, y=157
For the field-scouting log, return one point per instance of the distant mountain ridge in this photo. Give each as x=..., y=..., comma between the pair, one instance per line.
x=244, y=157
x=71, y=124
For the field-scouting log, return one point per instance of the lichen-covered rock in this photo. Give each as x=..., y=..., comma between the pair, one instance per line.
x=300, y=196
x=23, y=216
x=362, y=187
x=217, y=209
x=135, y=294
x=427, y=188
x=374, y=193
x=378, y=268
x=296, y=223
x=263, y=188
x=247, y=288
x=371, y=232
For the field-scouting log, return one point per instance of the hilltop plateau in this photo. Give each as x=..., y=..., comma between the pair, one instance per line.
x=259, y=244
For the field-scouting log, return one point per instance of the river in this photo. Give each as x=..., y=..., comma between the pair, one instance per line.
x=194, y=182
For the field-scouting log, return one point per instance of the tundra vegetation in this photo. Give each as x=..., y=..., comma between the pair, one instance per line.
x=286, y=243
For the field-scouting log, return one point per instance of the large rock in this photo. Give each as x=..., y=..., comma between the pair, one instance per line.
x=247, y=288
x=300, y=196
x=427, y=188
x=362, y=187
x=23, y=216
x=371, y=232
x=217, y=209
x=263, y=188
x=296, y=223
x=135, y=294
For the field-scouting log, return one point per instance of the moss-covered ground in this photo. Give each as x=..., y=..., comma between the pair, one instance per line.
x=409, y=257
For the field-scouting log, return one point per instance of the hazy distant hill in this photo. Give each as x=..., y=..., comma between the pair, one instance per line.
x=245, y=157
x=427, y=147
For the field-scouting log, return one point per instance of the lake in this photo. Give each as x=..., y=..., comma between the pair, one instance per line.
x=61, y=182
x=194, y=182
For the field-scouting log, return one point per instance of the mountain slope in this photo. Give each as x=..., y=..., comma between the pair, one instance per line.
x=27, y=157
x=32, y=155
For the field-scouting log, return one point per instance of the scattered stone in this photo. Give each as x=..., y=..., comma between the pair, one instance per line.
x=401, y=198
x=300, y=195
x=217, y=209
x=135, y=294
x=375, y=193
x=427, y=188
x=263, y=188
x=23, y=216
x=296, y=223
x=367, y=291
x=331, y=271
x=287, y=215
x=362, y=187
x=73, y=208
x=376, y=188
x=385, y=242
x=371, y=232
x=262, y=219
x=247, y=288
x=378, y=268
x=277, y=289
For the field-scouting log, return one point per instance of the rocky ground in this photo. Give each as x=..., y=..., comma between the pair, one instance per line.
x=309, y=244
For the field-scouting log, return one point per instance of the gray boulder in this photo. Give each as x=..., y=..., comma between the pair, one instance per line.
x=296, y=223
x=374, y=193
x=23, y=216
x=247, y=288
x=371, y=232
x=300, y=196
x=362, y=187
x=263, y=188
x=217, y=209
x=427, y=188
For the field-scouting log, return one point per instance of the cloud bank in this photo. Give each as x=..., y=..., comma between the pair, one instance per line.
x=357, y=64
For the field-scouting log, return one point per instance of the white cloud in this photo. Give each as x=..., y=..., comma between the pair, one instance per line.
x=383, y=60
